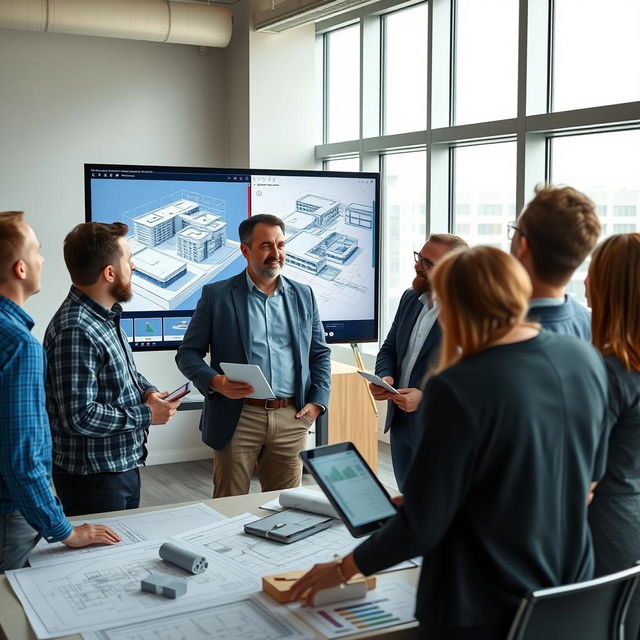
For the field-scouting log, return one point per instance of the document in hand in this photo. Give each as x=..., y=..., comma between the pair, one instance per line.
x=372, y=377
x=249, y=374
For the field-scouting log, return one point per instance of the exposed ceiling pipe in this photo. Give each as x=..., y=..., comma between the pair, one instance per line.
x=155, y=20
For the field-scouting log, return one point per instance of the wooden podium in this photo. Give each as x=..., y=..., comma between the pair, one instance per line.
x=350, y=415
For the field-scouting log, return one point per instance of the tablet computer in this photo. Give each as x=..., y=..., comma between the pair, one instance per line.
x=351, y=486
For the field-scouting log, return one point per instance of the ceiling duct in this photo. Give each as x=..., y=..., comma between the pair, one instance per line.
x=154, y=20
x=293, y=13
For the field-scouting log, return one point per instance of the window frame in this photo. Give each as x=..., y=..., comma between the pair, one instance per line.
x=533, y=127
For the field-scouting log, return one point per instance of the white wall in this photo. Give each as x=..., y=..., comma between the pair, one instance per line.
x=67, y=100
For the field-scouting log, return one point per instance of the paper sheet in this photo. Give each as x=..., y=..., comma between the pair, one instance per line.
x=262, y=557
x=92, y=592
x=255, y=618
x=391, y=603
x=139, y=527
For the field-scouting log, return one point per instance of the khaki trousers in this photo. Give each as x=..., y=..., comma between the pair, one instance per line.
x=276, y=436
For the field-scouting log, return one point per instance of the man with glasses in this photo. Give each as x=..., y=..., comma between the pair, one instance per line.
x=552, y=236
x=408, y=350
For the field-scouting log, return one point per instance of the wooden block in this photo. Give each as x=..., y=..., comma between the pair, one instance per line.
x=278, y=586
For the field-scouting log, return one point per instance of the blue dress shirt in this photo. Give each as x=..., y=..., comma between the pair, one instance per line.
x=270, y=334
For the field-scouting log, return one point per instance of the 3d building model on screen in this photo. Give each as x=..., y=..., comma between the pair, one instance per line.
x=178, y=247
x=320, y=234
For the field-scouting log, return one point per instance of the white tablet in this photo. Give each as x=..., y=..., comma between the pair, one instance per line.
x=249, y=374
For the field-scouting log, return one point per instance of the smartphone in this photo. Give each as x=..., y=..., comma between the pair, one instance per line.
x=180, y=392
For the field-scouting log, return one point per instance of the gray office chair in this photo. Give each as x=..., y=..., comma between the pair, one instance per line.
x=591, y=610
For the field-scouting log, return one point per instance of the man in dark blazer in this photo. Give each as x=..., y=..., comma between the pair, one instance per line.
x=409, y=350
x=258, y=317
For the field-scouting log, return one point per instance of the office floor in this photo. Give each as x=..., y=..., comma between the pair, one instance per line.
x=183, y=481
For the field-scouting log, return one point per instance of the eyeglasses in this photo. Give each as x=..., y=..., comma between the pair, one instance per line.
x=425, y=263
x=511, y=230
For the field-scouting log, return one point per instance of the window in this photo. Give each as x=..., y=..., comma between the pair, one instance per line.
x=405, y=70
x=467, y=105
x=605, y=166
x=596, y=49
x=485, y=183
x=486, y=66
x=620, y=210
x=404, y=226
x=342, y=84
x=343, y=164
x=485, y=229
x=624, y=228
x=490, y=209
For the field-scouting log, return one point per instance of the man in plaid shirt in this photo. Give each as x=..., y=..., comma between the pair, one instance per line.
x=99, y=405
x=28, y=508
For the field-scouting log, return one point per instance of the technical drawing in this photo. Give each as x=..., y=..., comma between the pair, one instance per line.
x=330, y=239
x=226, y=539
x=132, y=528
x=178, y=244
x=90, y=593
x=248, y=619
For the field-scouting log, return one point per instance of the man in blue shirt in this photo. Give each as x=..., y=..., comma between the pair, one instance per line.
x=552, y=236
x=258, y=317
x=28, y=508
x=100, y=406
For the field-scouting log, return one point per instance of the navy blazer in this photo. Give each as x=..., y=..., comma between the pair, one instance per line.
x=220, y=325
x=394, y=348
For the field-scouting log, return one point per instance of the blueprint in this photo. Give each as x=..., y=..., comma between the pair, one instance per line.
x=261, y=557
x=139, y=527
x=90, y=593
x=255, y=618
x=330, y=238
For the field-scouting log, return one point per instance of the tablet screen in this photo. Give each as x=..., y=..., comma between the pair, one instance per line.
x=353, y=487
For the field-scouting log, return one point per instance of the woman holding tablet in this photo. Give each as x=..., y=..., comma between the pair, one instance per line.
x=613, y=289
x=496, y=497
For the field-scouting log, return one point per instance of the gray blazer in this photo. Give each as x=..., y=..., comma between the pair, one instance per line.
x=220, y=325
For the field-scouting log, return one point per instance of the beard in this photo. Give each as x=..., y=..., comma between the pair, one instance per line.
x=120, y=290
x=269, y=269
x=422, y=284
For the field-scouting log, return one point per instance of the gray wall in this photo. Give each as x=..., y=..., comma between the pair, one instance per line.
x=67, y=100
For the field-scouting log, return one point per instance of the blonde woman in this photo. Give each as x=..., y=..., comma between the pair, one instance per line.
x=495, y=500
x=613, y=290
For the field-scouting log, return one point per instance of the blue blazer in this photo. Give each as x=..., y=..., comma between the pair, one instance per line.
x=394, y=348
x=220, y=325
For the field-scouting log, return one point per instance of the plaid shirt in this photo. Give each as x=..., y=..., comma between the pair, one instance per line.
x=25, y=440
x=99, y=420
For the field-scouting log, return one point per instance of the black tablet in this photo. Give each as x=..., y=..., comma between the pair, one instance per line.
x=351, y=486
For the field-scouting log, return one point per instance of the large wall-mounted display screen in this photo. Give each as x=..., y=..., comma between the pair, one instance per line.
x=183, y=232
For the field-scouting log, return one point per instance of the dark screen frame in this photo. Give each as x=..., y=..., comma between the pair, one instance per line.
x=357, y=531
x=373, y=336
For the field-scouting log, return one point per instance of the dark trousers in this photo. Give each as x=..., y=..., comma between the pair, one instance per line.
x=97, y=492
x=403, y=445
x=17, y=539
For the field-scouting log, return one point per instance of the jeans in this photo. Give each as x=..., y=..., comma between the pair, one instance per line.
x=97, y=492
x=17, y=539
